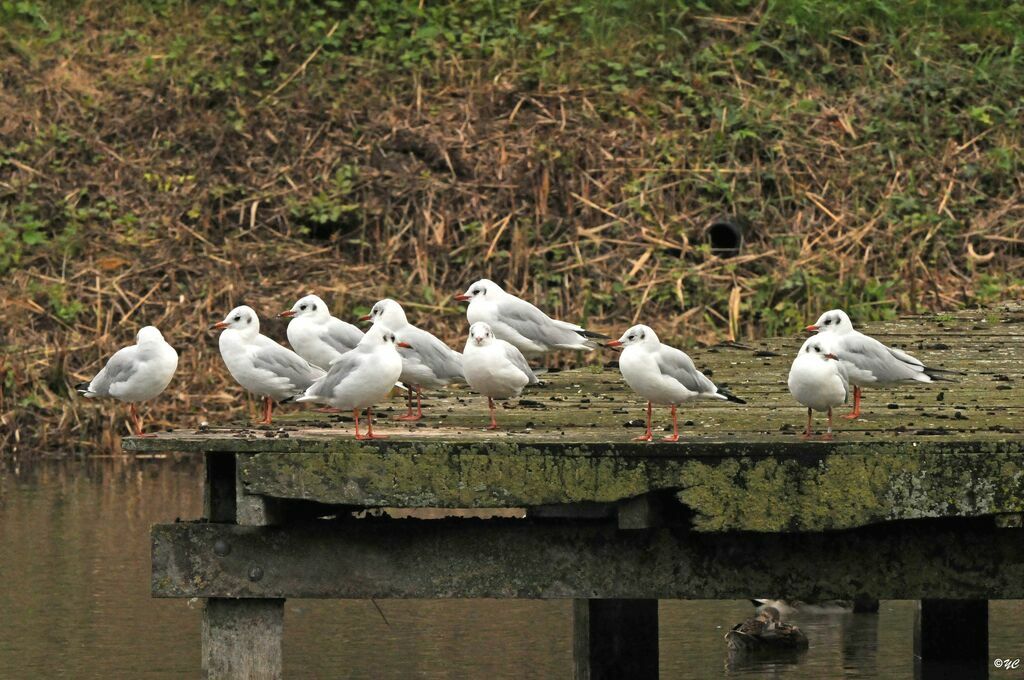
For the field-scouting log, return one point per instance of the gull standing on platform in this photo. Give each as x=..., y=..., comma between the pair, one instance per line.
x=517, y=321
x=866, y=360
x=429, y=362
x=261, y=365
x=662, y=374
x=362, y=377
x=135, y=373
x=315, y=335
x=494, y=368
x=818, y=380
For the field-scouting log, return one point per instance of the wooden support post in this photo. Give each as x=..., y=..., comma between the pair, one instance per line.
x=242, y=639
x=615, y=639
x=951, y=631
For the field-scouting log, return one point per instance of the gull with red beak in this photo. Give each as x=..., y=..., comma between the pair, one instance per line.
x=494, y=368
x=259, y=364
x=135, y=373
x=663, y=374
x=427, y=363
x=867, y=361
x=362, y=377
x=517, y=321
x=315, y=335
x=818, y=380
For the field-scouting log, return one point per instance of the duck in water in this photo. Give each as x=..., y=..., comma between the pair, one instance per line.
x=765, y=632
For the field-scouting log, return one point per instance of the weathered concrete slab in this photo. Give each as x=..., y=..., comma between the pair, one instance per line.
x=948, y=559
x=729, y=487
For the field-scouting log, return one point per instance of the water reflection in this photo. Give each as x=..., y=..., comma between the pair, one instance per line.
x=74, y=564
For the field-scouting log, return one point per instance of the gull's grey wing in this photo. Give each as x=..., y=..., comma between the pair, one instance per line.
x=904, y=357
x=286, y=364
x=868, y=354
x=536, y=325
x=342, y=368
x=119, y=368
x=341, y=336
x=519, y=361
x=679, y=365
x=445, y=362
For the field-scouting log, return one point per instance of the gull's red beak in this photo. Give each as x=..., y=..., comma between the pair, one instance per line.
x=613, y=343
x=812, y=327
x=220, y=325
x=832, y=356
x=462, y=297
x=287, y=315
x=403, y=344
x=366, y=317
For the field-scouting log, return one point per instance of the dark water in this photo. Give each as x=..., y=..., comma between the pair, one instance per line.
x=74, y=602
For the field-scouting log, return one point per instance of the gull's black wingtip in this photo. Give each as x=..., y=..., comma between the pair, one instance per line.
x=729, y=396
x=591, y=335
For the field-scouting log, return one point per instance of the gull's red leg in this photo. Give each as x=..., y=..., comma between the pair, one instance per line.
x=808, y=433
x=369, y=426
x=268, y=410
x=409, y=415
x=355, y=414
x=494, y=422
x=828, y=435
x=137, y=422
x=855, y=413
x=649, y=435
x=674, y=437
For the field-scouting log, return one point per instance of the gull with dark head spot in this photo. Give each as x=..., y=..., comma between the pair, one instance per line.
x=428, y=363
x=135, y=373
x=866, y=360
x=494, y=368
x=259, y=364
x=362, y=377
x=663, y=374
x=818, y=380
x=518, y=322
x=315, y=335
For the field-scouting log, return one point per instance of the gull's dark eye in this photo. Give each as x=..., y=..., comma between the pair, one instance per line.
x=238, y=317
x=302, y=307
x=630, y=337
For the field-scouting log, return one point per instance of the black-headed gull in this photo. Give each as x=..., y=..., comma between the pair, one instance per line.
x=315, y=335
x=662, y=374
x=427, y=363
x=493, y=367
x=135, y=373
x=362, y=377
x=259, y=364
x=522, y=324
x=866, y=360
x=817, y=379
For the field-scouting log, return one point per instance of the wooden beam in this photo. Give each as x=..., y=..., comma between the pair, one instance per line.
x=615, y=639
x=242, y=639
x=950, y=559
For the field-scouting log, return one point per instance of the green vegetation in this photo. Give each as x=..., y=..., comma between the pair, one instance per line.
x=164, y=160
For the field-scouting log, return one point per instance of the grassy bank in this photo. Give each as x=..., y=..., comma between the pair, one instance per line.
x=162, y=162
